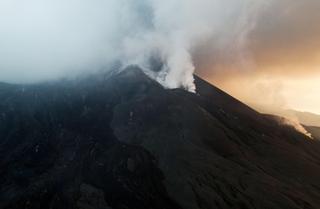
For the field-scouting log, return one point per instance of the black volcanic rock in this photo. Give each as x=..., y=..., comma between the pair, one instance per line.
x=123, y=141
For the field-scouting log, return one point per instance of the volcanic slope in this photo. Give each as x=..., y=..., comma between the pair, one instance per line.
x=125, y=142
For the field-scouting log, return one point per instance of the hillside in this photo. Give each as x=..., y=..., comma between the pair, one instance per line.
x=125, y=142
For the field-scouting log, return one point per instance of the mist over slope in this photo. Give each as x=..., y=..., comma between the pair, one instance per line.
x=50, y=39
x=126, y=142
x=314, y=130
x=305, y=118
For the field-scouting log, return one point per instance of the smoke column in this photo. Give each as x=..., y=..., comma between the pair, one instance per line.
x=48, y=39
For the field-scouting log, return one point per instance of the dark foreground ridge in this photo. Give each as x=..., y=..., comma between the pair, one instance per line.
x=125, y=142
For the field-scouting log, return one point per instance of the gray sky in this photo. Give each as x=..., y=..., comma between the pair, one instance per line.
x=264, y=46
x=47, y=39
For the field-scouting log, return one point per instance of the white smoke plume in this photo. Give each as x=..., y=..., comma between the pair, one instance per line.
x=295, y=124
x=48, y=39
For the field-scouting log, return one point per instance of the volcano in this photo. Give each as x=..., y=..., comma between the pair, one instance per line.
x=122, y=141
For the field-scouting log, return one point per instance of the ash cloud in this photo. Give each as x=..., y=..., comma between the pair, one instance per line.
x=49, y=39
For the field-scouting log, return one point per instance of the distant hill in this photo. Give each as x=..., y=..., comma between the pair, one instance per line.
x=306, y=118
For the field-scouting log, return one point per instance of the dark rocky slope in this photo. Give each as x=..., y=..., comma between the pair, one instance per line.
x=125, y=142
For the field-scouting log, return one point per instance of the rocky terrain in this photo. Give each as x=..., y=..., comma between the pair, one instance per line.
x=125, y=142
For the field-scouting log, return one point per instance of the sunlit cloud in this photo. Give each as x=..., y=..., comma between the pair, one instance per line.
x=282, y=68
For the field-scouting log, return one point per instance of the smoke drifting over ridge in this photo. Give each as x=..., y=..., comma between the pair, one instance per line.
x=48, y=39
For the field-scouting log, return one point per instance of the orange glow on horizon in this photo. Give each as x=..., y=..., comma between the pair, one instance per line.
x=272, y=90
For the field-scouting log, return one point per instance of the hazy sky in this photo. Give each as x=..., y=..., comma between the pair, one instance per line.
x=263, y=52
x=284, y=59
x=48, y=39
